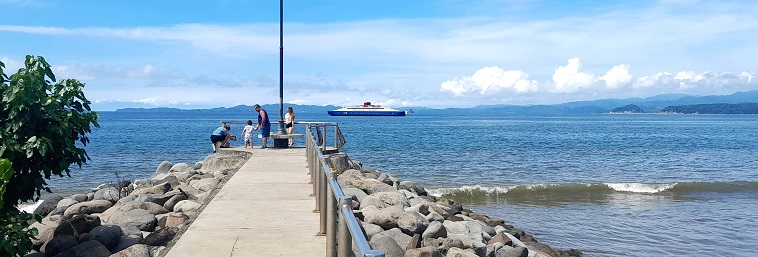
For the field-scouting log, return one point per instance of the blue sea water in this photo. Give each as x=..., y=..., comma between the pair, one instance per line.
x=608, y=185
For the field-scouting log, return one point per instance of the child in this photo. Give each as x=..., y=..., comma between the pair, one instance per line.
x=248, y=133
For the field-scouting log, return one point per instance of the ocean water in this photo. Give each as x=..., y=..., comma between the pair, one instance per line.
x=608, y=185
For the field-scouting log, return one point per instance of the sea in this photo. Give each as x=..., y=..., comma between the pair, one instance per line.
x=604, y=184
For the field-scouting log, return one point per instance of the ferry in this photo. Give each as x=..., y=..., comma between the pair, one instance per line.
x=367, y=109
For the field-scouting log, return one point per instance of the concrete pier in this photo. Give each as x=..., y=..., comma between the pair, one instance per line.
x=265, y=209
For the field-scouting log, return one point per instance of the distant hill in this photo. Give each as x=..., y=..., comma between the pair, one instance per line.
x=721, y=108
x=651, y=105
x=627, y=109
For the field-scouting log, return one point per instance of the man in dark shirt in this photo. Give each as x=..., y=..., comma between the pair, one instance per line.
x=264, y=124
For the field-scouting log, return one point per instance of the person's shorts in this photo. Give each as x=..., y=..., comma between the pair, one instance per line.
x=265, y=131
x=217, y=138
x=248, y=137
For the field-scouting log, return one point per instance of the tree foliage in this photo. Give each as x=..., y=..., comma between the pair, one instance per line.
x=722, y=108
x=43, y=127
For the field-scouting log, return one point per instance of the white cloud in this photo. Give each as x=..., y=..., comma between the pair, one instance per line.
x=570, y=78
x=490, y=79
x=617, y=76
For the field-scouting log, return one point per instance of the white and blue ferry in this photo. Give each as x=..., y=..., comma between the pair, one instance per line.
x=367, y=109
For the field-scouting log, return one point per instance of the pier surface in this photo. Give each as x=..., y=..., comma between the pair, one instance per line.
x=265, y=209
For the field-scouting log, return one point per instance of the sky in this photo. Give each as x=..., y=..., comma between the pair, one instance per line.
x=446, y=53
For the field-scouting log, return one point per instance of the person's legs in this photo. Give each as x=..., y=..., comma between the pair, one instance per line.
x=289, y=132
x=265, y=132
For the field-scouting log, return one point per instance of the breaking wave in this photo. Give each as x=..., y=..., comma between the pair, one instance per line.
x=585, y=191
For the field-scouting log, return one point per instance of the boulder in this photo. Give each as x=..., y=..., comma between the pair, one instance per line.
x=205, y=184
x=388, y=245
x=371, y=201
x=457, y=252
x=427, y=251
x=426, y=208
x=66, y=202
x=59, y=244
x=169, y=205
x=91, y=248
x=414, y=243
x=371, y=229
x=385, y=178
x=371, y=186
x=58, y=211
x=158, y=189
x=45, y=229
x=159, y=199
x=224, y=161
x=339, y=161
x=139, y=218
x=94, y=206
x=156, y=250
x=186, y=206
x=471, y=230
x=80, y=197
x=109, y=235
x=434, y=217
x=412, y=223
x=161, y=237
x=136, y=250
x=152, y=208
x=175, y=219
x=500, y=238
x=77, y=225
x=48, y=205
x=181, y=167
x=111, y=194
x=164, y=167
x=355, y=192
x=396, y=234
x=434, y=230
x=545, y=250
x=385, y=218
x=126, y=241
x=393, y=198
x=198, y=165
x=507, y=251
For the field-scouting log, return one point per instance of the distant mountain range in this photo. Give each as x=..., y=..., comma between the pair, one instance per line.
x=648, y=105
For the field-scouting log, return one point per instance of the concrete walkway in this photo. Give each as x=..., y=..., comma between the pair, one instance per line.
x=265, y=209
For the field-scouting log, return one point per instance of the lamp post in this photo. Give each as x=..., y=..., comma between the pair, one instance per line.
x=281, y=129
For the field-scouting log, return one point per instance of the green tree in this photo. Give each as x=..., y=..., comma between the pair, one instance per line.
x=43, y=129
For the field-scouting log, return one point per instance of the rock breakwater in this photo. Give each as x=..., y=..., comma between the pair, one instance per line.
x=138, y=218
x=402, y=219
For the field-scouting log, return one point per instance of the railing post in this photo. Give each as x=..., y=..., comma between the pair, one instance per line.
x=331, y=218
x=345, y=241
x=322, y=187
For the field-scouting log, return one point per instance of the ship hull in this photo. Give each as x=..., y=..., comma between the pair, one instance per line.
x=366, y=113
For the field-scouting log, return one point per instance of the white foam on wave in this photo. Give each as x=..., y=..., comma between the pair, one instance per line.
x=486, y=189
x=640, y=187
x=31, y=207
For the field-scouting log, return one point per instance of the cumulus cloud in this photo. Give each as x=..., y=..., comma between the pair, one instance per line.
x=616, y=82
x=490, y=79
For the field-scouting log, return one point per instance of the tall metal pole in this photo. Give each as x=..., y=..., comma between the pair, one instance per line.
x=281, y=129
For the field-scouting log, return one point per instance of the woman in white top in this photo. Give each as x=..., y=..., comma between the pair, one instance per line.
x=289, y=122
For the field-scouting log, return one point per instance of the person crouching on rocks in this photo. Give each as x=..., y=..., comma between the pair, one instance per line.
x=219, y=136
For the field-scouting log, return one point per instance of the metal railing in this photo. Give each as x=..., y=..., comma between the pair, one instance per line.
x=337, y=221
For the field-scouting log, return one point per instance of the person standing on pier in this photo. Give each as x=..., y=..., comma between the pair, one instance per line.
x=263, y=124
x=289, y=123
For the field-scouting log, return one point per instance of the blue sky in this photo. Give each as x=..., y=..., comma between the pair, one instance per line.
x=448, y=53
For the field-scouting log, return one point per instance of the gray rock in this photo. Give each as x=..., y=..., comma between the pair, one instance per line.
x=492, y=249
x=393, y=198
x=355, y=192
x=457, y=252
x=45, y=230
x=433, y=216
x=512, y=252
x=164, y=167
x=396, y=234
x=186, y=206
x=126, y=241
x=136, y=250
x=434, y=230
x=198, y=165
x=415, y=242
x=175, y=219
x=80, y=197
x=158, y=189
x=152, y=208
x=109, y=236
x=500, y=238
x=77, y=225
x=385, y=178
x=94, y=206
x=48, y=205
x=371, y=229
x=156, y=250
x=385, y=218
x=87, y=249
x=169, y=205
x=159, y=199
x=388, y=245
x=139, y=218
x=371, y=201
x=371, y=186
x=161, y=237
x=412, y=223
x=181, y=167
x=58, y=211
x=66, y=202
x=111, y=194
x=427, y=251
x=542, y=248
x=205, y=184
x=471, y=230
x=59, y=244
